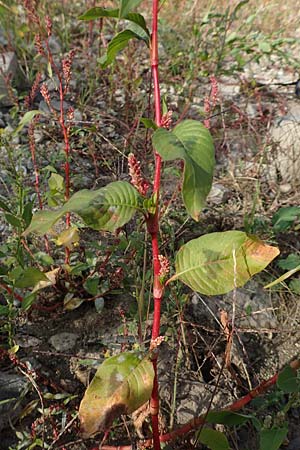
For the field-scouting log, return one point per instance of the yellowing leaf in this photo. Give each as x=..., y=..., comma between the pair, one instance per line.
x=50, y=282
x=69, y=238
x=216, y=263
x=121, y=385
x=71, y=302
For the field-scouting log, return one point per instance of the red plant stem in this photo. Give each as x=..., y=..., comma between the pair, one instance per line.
x=65, y=136
x=36, y=175
x=153, y=228
x=11, y=292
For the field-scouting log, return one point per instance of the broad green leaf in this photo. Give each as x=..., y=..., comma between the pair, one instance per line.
x=107, y=208
x=294, y=286
x=30, y=277
x=289, y=263
x=139, y=20
x=216, y=263
x=97, y=13
x=118, y=43
x=91, y=285
x=121, y=385
x=56, y=182
x=215, y=440
x=26, y=119
x=272, y=439
x=191, y=142
x=288, y=381
x=13, y=220
x=126, y=6
x=227, y=418
x=283, y=277
x=284, y=218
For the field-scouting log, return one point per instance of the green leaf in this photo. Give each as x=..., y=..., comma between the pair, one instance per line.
x=215, y=440
x=148, y=123
x=56, y=183
x=284, y=218
x=28, y=301
x=4, y=310
x=126, y=6
x=265, y=47
x=288, y=381
x=272, y=439
x=227, y=418
x=191, y=142
x=232, y=37
x=30, y=277
x=97, y=13
x=289, y=263
x=138, y=19
x=121, y=385
x=27, y=213
x=107, y=208
x=294, y=286
x=4, y=206
x=13, y=220
x=26, y=119
x=216, y=263
x=91, y=285
x=118, y=43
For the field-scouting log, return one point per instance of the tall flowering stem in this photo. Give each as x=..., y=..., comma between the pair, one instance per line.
x=153, y=228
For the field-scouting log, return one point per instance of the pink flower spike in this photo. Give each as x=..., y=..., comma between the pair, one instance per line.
x=136, y=175
x=166, y=120
x=164, y=266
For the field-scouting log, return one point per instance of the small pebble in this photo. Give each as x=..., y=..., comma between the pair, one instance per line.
x=285, y=188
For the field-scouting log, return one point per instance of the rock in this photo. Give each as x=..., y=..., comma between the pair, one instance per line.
x=218, y=194
x=55, y=104
x=27, y=341
x=193, y=399
x=11, y=387
x=254, y=309
x=8, y=65
x=228, y=87
x=285, y=188
x=38, y=136
x=63, y=342
x=294, y=444
x=285, y=136
x=251, y=110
